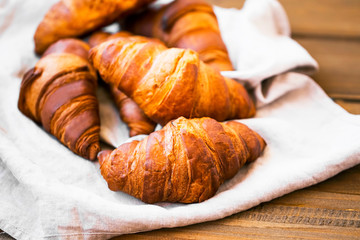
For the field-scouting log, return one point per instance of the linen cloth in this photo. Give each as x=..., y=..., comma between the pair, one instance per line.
x=47, y=192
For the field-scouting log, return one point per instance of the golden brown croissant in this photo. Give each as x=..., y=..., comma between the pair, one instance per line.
x=184, y=24
x=60, y=94
x=130, y=112
x=132, y=115
x=100, y=36
x=186, y=161
x=169, y=83
x=71, y=18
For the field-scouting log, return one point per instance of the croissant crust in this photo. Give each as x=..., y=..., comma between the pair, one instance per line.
x=169, y=83
x=186, y=161
x=59, y=93
x=184, y=24
x=73, y=18
x=131, y=114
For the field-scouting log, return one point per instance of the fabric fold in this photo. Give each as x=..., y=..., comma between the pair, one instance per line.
x=259, y=43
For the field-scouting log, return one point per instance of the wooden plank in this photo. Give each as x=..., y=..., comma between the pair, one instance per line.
x=317, y=199
x=339, y=59
x=269, y=221
x=228, y=3
x=320, y=18
x=293, y=216
x=5, y=236
x=324, y=17
x=342, y=183
x=350, y=106
x=258, y=230
x=318, y=212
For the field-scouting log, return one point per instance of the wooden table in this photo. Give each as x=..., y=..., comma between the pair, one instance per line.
x=330, y=31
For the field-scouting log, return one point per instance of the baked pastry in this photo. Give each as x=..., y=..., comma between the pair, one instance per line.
x=184, y=24
x=169, y=83
x=186, y=161
x=130, y=112
x=99, y=37
x=73, y=18
x=60, y=94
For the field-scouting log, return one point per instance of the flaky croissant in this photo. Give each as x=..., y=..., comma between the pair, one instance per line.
x=130, y=112
x=169, y=83
x=186, y=161
x=132, y=115
x=184, y=24
x=99, y=37
x=72, y=18
x=60, y=94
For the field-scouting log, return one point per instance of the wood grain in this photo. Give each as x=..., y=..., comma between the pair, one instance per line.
x=352, y=106
x=326, y=210
x=339, y=61
x=331, y=18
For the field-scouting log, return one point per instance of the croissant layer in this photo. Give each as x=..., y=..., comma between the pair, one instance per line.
x=168, y=83
x=72, y=18
x=130, y=113
x=184, y=24
x=186, y=161
x=60, y=94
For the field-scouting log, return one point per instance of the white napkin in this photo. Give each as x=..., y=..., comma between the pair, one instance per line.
x=48, y=192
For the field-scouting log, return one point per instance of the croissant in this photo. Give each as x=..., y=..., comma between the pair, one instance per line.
x=72, y=18
x=100, y=36
x=130, y=112
x=186, y=161
x=60, y=94
x=169, y=83
x=132, y=115
x=184, y=24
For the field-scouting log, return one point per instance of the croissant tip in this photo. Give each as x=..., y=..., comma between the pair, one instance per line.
x=102, y=155
x=93, y=150
x=39, y=48
x=133, y=133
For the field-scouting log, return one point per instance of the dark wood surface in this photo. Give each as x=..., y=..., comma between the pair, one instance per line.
x=330, y=31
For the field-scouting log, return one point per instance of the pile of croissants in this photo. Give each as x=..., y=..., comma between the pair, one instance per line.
x=163, y=67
